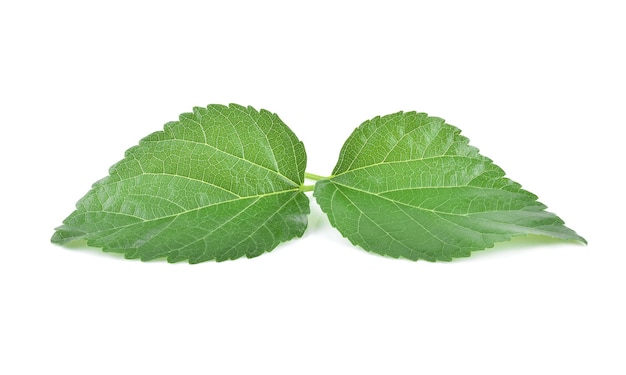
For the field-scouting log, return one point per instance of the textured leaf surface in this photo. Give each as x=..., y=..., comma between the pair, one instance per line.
x=408, y=185
x=220, y=183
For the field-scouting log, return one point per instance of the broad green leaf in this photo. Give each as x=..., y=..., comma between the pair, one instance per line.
x=220, y=183
x=408, y=185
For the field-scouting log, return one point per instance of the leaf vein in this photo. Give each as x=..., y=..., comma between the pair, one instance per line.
x=285, y=178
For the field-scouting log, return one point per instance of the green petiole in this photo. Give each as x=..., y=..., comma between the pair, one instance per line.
x=314, y=177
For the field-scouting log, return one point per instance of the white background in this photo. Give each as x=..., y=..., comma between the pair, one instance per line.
x=537, y=86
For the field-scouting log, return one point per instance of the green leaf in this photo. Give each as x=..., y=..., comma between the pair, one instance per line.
x=220, y=183
x=408, y=185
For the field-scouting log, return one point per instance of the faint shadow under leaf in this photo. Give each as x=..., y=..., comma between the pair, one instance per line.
x=82, y=246
x=317, y=219
x=517, y=244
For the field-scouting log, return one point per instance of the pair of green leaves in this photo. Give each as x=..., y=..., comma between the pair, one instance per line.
x=226, y=182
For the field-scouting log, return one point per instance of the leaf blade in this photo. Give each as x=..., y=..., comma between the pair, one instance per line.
x=220, y=183
x=419, y=191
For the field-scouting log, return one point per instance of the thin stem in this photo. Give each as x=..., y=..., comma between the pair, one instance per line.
x=314, y=177
x=305, y=188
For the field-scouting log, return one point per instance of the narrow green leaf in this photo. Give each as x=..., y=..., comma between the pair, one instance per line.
x=408, y=185
x=220, y=183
